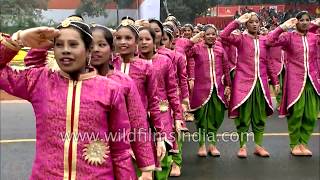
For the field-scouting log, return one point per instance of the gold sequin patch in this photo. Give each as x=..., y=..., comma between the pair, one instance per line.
x=66, y=23
x=164, y=105
x=95, y=152
x=127, y=22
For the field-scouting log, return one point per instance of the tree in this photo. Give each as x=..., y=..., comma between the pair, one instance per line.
x=124, y=3
x=186, y=10
x=95, y=8
x=19, y=14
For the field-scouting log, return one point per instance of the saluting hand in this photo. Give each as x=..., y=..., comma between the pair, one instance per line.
x=244, y=18
x=39, y=37
x=198, y=37
x=316, y=21
x=289, y=24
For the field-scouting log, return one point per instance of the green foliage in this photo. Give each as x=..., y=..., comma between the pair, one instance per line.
x=122, y=4
x=186, y=10
x=93, y=8
x=19, y=14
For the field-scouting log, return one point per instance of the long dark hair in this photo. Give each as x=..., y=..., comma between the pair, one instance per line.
x=301, y=13
x=106, y=33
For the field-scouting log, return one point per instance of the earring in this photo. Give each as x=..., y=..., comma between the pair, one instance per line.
x=89, y=61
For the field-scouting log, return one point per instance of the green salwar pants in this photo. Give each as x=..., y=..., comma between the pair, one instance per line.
x=303, y=116
x=166, y=168
x=252, y=111
x=279, y=96
x=209, y=119
x=177, y=158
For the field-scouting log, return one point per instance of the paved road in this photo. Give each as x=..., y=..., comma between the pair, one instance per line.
x=17, y=122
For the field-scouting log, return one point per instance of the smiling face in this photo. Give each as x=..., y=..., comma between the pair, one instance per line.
x=210, y=36
x=125, y=41
x=146, y=42
x=303, y=23
x=70, y=51
x=187, y=32
x=101, y=51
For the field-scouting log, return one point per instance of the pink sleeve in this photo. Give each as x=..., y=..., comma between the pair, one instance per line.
x=18, y=83
x=116, y=62
x=190, y=67
x=313, y=28
x=141, y=144
x=275, y=38
x=226, y=69
x=271, y=69
x=119, y=126
x=182, y=75
x=171, y=87
x=36, y=57
x=6, y=53
x=182, y=45
x=233, y=39
x=153, y=100
x=190, y=60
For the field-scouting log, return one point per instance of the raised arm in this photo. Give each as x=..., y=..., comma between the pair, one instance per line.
x=276, y=38
x=21, y=83
x=314, y=25
x=36, y=57
x=234, y=39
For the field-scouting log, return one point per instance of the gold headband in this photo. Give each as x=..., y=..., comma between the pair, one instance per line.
x=75, y=18
x=67, y=23
x=127, y=22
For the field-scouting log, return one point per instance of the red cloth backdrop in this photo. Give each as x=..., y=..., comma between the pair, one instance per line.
x=219, y=22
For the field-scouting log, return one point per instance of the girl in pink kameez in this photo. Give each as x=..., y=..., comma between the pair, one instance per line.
x=68, y=103
x=211, y=84
x=250, y=98
x=141, y=143
x=143, y=74
x=179, y=66
x=167, y=90
x=301, y=92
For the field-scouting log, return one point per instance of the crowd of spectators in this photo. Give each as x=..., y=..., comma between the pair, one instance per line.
x=271, y=18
